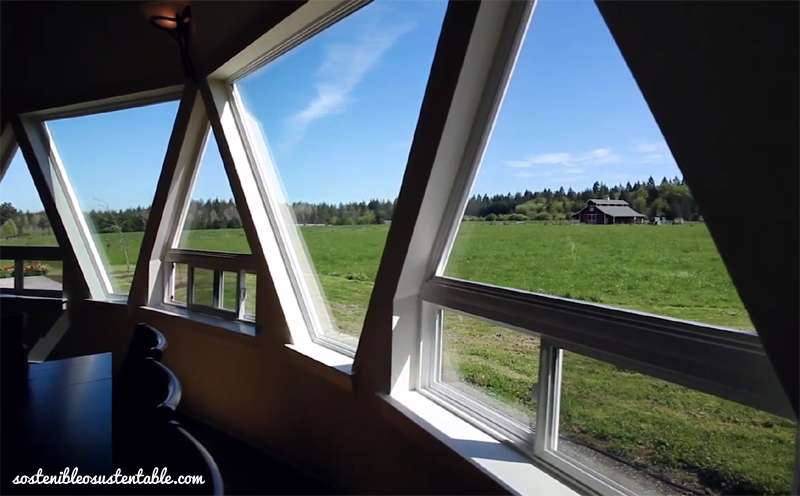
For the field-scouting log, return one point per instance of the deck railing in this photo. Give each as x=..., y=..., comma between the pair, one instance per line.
x=27, y=264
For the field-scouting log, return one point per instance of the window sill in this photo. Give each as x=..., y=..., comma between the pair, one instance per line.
x=122, y=301
x=326, y=363
x=238, y=327
x=504, y=464
x=23, y=297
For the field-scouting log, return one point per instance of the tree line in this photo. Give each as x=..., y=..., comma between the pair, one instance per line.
x=669, y=199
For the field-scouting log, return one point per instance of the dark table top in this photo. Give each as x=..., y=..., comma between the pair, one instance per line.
x=64, y=418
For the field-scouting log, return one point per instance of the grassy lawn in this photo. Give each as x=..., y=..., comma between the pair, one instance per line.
x=689, y=437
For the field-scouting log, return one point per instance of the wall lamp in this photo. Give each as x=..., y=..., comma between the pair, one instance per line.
x=179, y=26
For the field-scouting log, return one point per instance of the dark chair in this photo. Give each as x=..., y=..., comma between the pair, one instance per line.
x=147, y=341
x=145, y=400
x=151, y=391
x=170, y=446
x=190, y=457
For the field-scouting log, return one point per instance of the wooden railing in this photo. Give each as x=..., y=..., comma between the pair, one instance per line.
x=19, y=255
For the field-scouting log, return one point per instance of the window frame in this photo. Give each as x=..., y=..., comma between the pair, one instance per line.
x=34, y=135
x=20, y=254
x=318, y=323
x=239, y=264
x=716, y=355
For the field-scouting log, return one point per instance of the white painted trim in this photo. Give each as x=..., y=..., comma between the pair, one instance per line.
x=727, y=363
x=110, y=104
x=44, y=158
x=247, y=183
x=498, y=31
x=301, y=24
x=302, y=275
x=170, y=200
x=504, y=464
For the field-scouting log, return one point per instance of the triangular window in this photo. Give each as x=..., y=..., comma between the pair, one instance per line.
x=212, y=218
x=578, y=194
x=113, y=161
x=22, y=217
x=23, y=222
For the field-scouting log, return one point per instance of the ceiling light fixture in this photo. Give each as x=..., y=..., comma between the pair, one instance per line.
x=179, y=26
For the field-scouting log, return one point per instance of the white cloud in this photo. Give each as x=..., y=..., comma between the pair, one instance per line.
x=652, y=153
x=569, y=160
x=344, y=66
x=648, y=147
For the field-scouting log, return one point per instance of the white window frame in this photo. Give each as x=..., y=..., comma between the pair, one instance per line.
x=52, y=180
x=312, y=319
x=727, y=363
x=218, y=263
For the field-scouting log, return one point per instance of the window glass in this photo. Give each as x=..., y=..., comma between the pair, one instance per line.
x=491, y=364
x=339, y=113
x=42, y=274
x=113, y=161
x=180, y=281
x=578, y=194
x=203, y=287
x=22, y=217
x=251, y=296
x=230, y=289
x=615, y=420
x=212, y=218
x=6, y=273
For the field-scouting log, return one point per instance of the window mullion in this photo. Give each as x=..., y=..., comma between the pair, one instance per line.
x=241, y=294
x=216, y=301
x=189, y=285
x=548, y=398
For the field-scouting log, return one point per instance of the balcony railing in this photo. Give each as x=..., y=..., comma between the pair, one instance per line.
x=24, y=270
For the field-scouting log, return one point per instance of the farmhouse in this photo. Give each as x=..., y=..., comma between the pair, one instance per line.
x=608, y=212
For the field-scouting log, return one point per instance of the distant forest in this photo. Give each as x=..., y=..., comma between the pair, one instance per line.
x=669, y=199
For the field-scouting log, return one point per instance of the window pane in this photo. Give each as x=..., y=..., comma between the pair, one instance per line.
x=694, y=440
x=113, y=161
x=212, y=218
x=42, y=274
x=230, y=288
x=203, y=287
x=339, y=112
x=180, y=282
x=495, y=366
x=578, y=194
x=22, y=217
x=6, y=273
x=251, y=296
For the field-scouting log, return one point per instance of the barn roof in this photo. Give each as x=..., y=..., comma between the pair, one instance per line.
x=610, y=203
x=619, y=211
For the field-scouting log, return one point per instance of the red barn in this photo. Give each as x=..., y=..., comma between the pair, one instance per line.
x=608, y=212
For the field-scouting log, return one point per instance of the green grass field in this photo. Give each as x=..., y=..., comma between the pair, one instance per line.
x=690, y=438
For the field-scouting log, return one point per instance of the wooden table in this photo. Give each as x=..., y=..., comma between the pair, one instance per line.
x=63, y=420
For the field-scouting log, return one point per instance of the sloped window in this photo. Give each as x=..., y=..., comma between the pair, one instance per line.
x=208, y=268
x=334, y=119
x=569, y=311
x=24, y=224
x=578, y=194
x=212, y=221
x=22, y=217
x=698, y=442
x=113, y=161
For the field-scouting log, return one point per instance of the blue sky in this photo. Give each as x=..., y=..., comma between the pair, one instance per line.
x=339, y=113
